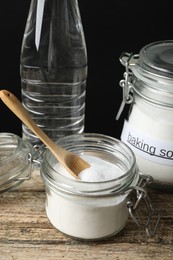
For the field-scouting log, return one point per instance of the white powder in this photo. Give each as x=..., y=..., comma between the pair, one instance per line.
x=88, y=217
x=153, y=126
x=99, y=171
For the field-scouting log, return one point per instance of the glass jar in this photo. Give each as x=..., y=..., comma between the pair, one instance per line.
x=14, y=164
x=148, y=130
x=95, y=210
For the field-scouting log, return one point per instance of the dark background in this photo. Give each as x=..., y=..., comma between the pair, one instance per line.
x=111, y=27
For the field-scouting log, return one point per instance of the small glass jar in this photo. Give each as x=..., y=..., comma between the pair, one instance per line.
x=95, y=210
x=148, y=130
x=14, y=164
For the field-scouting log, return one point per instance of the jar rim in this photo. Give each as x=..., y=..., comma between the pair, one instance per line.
x=92, y=141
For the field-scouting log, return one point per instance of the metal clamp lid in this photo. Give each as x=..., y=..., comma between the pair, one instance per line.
x=153, y=69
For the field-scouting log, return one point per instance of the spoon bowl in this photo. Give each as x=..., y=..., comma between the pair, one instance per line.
x=71, y=161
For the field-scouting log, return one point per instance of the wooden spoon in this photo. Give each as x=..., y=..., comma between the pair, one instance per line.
x=73, y=163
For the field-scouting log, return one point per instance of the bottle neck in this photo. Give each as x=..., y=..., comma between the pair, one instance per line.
x=54, y=36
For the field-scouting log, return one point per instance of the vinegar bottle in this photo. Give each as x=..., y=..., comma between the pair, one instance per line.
x=53, y=68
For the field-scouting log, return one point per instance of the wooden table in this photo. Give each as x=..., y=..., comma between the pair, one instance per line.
x=25, y=232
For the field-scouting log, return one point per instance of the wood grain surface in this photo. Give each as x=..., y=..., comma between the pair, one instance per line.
x=25, y=231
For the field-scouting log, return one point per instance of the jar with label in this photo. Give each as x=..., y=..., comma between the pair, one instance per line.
x=148, y=130
x=96, y=208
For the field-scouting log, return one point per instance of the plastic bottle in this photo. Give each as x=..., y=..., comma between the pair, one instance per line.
x=53, y=68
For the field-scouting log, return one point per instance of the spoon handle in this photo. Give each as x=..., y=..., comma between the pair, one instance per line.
x=18, y=109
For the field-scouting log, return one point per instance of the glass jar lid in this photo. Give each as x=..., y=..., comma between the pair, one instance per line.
x=149, y=74
x=152, y=72
x=157, y=57
x=14, y=164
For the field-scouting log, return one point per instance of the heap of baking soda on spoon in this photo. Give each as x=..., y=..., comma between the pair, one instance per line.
x=99, y=170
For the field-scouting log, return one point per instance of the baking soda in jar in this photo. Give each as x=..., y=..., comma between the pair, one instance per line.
x=148, y=130
x=97, y=205
x=91, y=218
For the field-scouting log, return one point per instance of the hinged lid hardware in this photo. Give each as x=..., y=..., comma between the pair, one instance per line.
x=125, y=83
x=36, y=153
x=152, y=221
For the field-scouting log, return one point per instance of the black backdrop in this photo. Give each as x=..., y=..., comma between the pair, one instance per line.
x=110, y=26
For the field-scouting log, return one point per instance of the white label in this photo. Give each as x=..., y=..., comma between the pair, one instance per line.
x=146, y=146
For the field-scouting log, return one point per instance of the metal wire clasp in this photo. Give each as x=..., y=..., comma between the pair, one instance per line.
x=36, y=154
x=125, y=83
x=151, y=219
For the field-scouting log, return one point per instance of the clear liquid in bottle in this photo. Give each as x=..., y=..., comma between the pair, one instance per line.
x=54, y=68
